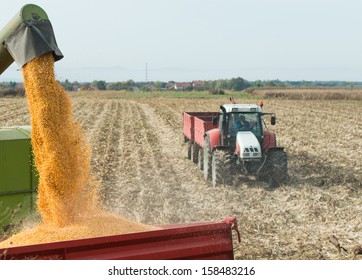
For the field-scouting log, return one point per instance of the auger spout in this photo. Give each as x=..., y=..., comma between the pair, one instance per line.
x=27, y=35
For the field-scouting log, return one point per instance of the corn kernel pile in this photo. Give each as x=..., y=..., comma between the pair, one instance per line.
x=68, y=199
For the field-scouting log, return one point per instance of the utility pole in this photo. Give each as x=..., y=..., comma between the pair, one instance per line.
x=146, y=73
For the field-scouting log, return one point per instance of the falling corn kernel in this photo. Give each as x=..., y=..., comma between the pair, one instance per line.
x=68, y=196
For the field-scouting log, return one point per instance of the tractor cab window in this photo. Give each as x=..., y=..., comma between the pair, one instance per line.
x=244, y=122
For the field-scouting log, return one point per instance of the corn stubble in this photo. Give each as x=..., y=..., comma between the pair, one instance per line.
x=68, y=195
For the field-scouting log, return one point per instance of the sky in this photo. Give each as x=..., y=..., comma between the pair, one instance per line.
x=185, y=40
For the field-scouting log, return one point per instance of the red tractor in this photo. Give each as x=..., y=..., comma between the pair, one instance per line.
x=233, y=141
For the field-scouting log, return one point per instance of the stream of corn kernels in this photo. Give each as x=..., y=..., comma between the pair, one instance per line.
x=68, y=196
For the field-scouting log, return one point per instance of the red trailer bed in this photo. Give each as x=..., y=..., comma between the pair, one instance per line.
x=211, y=240
x=195, y=124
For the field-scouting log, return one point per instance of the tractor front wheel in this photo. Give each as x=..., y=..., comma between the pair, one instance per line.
x=221, y=168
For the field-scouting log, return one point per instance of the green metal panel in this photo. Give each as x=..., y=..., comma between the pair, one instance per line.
x=18, y=179
x=14, y=133
x=14, y=208
x=27, y=12
x=15, y=165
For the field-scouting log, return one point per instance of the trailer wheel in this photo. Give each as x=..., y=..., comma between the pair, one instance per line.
x=200, y=164
x=189, y=145
x=221, y=168
x=276, y=169
x=207, y=160
x=194, y=153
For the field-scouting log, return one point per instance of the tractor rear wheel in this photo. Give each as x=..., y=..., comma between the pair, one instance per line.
x=207, y=159
x=221, y=168
x=200, y=164
x=276, y=168
x=194, y=153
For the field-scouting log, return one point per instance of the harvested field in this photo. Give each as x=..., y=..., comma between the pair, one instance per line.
x=139, y=156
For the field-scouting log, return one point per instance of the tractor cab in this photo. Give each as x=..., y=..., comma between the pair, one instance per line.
x=244, y=120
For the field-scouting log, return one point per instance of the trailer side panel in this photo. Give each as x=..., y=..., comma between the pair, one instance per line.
x=196, y=124
x=189, y=241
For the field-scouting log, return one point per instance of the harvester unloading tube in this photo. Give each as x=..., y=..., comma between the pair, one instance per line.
x=27, y=35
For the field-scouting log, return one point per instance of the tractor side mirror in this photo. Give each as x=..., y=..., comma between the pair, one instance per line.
x=214, y=120
x=273, y=120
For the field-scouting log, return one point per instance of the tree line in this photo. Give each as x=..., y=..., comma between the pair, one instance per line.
x=233, y=84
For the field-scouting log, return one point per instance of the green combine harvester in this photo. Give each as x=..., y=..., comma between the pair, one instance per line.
x=18, y=179
x=27, y=35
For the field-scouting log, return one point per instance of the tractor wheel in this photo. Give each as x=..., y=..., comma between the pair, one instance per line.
x=221, y=168
x=200, y=164
x=276, y=168
x=194, y=153
x=189, y=145
x=207, y=160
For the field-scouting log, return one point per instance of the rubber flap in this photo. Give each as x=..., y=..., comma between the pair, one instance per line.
x=32, y=39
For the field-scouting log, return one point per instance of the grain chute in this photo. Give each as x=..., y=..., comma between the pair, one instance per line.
x=27, y=35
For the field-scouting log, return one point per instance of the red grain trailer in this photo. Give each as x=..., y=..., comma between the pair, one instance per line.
x=193, y=241
x=195, y=125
